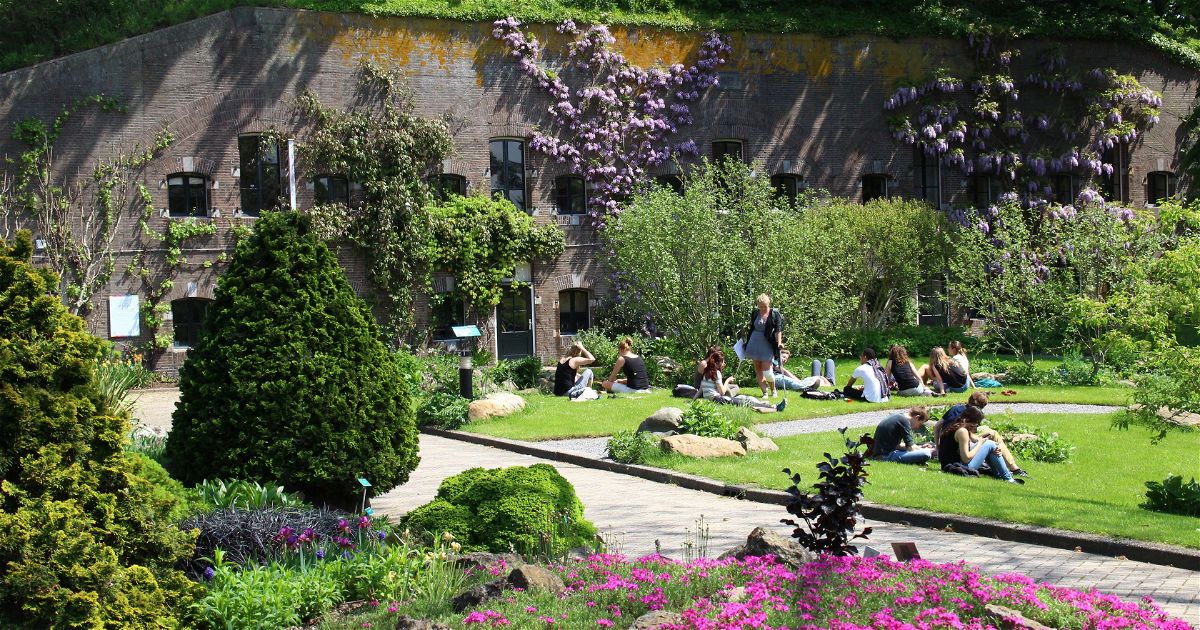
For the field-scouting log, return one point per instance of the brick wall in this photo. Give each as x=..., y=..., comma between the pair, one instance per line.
x=802, y=104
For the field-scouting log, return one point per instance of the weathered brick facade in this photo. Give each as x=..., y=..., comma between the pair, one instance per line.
x=801, y=104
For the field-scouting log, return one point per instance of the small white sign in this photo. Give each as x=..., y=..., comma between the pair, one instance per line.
x=124, y=316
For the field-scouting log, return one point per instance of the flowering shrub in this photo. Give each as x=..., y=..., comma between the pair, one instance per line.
x=834, y=592
x=611, y=120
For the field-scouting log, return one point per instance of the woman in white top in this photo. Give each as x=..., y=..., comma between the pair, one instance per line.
x=958, y=354
x=716, y=388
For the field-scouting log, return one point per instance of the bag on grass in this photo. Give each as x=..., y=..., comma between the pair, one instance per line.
x=685, y=391
x=818, y=395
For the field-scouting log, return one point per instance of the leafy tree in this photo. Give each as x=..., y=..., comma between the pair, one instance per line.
x=289, y=381
x=85, y=540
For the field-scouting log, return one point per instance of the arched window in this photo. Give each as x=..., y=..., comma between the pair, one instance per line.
x=1159, y=185
x=875, y=186
x=727, y=148
x=448, y=184
x=569, y=195
x=187, y=315
x=787, y=186
x=329, y=189
x=573, y=313
x=674, y=182
x=508, y=170
x=261, y=179
x=187, y=195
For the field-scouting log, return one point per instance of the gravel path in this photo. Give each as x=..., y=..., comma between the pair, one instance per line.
x=595, y=447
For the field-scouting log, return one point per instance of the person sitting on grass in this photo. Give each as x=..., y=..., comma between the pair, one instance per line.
x=958, y=354
x=718, y=389
x=894, y=440
x=636, y=381
x=979, y=400
x=960, y=444
x=701, y=365
x=874, y=387
x=785, y=380
x=901, y=368
x=944, y=375
x=568, y=379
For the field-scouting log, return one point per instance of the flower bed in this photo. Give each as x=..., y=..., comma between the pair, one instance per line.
x=840, y=593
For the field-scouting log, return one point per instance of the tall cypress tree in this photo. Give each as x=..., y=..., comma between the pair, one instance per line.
x=289, y=381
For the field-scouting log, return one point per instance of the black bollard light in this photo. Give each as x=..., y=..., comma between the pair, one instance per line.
x=466, y=336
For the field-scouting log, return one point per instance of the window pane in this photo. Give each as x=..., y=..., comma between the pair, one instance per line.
x=874, y=187
x=187, y=316
x=197, y=197
x=572, y=311
x=731, y=148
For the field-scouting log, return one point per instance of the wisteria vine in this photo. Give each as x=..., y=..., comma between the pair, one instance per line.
x=619, y=120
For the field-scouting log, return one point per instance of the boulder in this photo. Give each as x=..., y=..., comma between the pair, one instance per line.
x=754, y=443
x=665, y=420
x=657, y=619
x=762, y=542
x=476, y=595
x=495, y=405
x=532, y=577
x=1010, y=619
x=408, y=623
x=696, y=446
x=477, y=561
x=1013, y=438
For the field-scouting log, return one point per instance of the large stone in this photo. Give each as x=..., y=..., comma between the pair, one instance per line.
x=665, y=420
x=754, y=443
x=536, y=578
x=477, y=561
x=1013, y=438
x=762, y=542
x=476, y=595
x=408, y=623
x=696, y=446
x=1010, y=619
x=495, y=405
x=657, y=619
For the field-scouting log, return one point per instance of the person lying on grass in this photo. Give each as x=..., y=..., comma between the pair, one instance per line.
x=894, y=440
x=979, y=400
x=960, y=444
x=714, y=387
x=636, y=381
x=568, y=380
x=785, y=380
x=875, y=388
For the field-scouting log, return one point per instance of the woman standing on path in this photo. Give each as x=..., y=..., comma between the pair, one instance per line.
x=764, y=338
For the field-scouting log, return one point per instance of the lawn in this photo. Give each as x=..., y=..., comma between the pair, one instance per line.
x=550, y=417
x=1098, y=491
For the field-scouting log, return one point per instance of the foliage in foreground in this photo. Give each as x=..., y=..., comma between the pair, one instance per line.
x=631, y=447
x=289, y=382
x=85, y=540
x=831, y=513
x=531, y=510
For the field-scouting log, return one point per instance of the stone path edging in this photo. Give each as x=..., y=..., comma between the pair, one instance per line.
x=1141, y=551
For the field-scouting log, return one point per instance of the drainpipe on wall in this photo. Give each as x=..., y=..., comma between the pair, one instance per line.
x=292, y=173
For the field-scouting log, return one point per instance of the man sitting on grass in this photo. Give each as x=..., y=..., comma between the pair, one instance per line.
x=894, y=440
x=875, y=388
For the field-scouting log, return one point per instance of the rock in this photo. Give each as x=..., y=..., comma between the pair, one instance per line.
x=477, y=561
x=737, y=595
x=495, y=405
x=696, y=446
x=666, y=364
x=665, y=420
x=762, y=542
x=408, y=623
x=1010, y=619
x=535, y=578
x=753, y=443
x=476, y=595
x=508, y=386
x=1013, y=438
x=657, y=618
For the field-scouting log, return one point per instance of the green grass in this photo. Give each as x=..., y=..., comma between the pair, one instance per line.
x=40, y=31
x=1098, y=491
x=551, y=417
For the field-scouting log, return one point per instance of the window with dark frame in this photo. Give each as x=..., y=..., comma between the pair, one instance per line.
x=187, y=195
x=787, y=187
x=674, y=182
x=1159, y=185
x=875, y=187
x=569, y=195
x=573, y=314
x=449, y=311
x=1066, y=188
x=261, y=177
x=329, y=189
x=187, y=316
x=723, y=148
x=928, y=172
x=449, y=184
x=1114, y=187
x=984, y=190
x=508, y=170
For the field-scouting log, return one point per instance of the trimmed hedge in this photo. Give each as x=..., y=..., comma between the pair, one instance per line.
x=502, y=509
x=289, y=381
x=85, y=539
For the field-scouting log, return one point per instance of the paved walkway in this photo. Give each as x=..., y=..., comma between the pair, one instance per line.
x=634, y=513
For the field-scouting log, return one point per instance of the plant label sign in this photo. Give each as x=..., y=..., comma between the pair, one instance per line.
x=906, y=551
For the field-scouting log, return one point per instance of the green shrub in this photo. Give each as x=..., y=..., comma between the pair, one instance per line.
x=528, y=509
x=176, y=500
x=151, y=444
x=703, y=418
x=1173, y=496
x=1047, y=448
x=115, y=377
x=443, y=409
x=523, y=372
x=631, y=447
x=439, y=372
x=85, y=540
x=289, y=381
x=244, y=495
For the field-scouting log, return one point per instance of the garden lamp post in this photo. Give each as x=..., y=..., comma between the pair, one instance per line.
x=465, y=334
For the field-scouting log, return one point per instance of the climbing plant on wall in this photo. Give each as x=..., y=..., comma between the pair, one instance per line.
x=609, y=119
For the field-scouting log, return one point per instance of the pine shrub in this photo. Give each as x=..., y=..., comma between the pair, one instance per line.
x=85, y=540
x=289, y=381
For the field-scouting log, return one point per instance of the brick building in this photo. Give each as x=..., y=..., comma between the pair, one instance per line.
x=807, y=108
